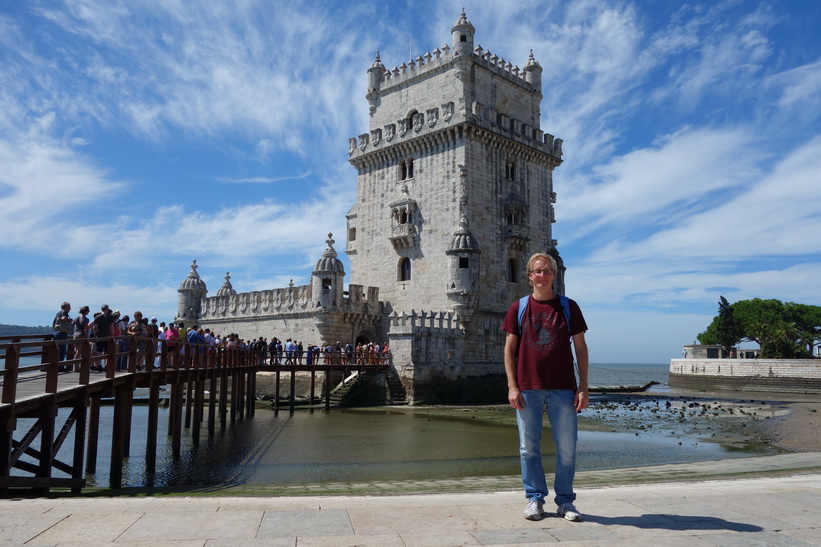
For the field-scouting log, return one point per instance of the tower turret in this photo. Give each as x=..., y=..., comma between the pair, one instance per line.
x=463, y=285
x=191, y=293
x=533, y=72
x=376, y=73
x=462, y=35
x=326, y=279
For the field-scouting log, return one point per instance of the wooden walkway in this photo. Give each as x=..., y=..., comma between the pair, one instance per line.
x=219, y=383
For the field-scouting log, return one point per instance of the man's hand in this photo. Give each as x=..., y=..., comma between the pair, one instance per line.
x=514, y=396
x=582, y=399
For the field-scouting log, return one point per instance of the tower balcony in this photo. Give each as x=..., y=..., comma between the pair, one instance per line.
x=403, y=236
x=516, y=236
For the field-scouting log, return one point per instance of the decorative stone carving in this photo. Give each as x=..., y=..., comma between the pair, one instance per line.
x=433, y=116
x=376, y=136
x=403, y=127
x=390, y=131
x=363, y=141
x=447, y=111
x=418, y=120
x=351, y=145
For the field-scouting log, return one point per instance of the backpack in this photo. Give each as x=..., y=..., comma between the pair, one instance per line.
x=565, y=308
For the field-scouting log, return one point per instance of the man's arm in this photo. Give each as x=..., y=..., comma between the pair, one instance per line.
x=514, y=396
x=582, y=396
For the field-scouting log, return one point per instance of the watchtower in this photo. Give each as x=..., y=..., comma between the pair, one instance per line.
x=455, y=192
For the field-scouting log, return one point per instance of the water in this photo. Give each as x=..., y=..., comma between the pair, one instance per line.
x=361, y=445
x=626, y=374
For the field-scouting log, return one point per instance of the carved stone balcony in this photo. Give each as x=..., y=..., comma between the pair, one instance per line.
x=403, y=236
x=516, y=236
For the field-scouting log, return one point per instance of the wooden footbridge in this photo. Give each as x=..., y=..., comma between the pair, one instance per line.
x=205, y=383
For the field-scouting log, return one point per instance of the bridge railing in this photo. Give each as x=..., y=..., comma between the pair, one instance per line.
x=109, y=355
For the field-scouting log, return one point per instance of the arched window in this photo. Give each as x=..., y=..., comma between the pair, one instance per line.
x=510, y=170
x=405, y=269
x=511, y=271
x=406, y=169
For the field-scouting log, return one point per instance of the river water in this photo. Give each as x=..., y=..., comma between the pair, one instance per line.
x=382, y=444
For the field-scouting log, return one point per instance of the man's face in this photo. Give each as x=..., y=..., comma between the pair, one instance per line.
x=541, y=274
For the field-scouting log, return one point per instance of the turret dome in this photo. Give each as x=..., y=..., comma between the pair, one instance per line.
x=193, y=282
x=463, y=241
x=329, y=261
x=227, y=289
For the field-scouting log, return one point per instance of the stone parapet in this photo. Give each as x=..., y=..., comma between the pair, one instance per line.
x=767, y=375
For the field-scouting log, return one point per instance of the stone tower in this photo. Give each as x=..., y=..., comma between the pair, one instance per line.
x=192, y=291
x=326, y=279
x=455, y=192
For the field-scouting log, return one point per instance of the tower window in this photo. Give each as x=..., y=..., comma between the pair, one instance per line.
x=464, y=262
x=351, y=234
x=510, y=170
x=463, y=38
x=406, y=169
x=511, y=271
x=405, y=269
x=326, y=283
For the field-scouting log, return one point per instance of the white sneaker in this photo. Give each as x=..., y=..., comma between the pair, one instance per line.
x=534, y=510
x=569, y=512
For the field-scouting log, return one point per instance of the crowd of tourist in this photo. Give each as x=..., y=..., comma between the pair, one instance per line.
x=176, y=336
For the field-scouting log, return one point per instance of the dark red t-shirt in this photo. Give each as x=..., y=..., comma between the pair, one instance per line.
x=545, y=357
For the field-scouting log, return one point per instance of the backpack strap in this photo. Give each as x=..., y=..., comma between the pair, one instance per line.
x=522, y=307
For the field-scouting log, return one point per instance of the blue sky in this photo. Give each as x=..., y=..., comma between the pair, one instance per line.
x=137, y=136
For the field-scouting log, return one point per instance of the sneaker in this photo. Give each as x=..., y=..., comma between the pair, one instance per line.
x=534, y=510
x=569, y=512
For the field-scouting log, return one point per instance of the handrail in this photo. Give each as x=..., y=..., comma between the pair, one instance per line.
x=140, y=356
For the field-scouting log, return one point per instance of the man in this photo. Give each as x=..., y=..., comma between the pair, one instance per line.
x=290, y=349
x=63, y=325
x=539, y=369
x=102, y=329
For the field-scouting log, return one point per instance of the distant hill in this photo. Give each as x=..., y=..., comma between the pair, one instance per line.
x=12, y=330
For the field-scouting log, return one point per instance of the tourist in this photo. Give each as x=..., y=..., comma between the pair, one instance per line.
x=140, y=329
x=160, y=337
x=154, y=328
x=120, y=328
x=290, y=350
x=540, y=373
x=102, y=329
x=80, y=326
x=272, y=350
x=63, y=326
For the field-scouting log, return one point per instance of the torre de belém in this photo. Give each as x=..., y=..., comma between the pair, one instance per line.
x=455, y=192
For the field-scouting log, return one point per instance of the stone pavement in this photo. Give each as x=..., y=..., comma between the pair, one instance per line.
x=777, y=502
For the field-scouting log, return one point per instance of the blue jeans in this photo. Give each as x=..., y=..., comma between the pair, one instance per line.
x=561, y=413
x=63, y=348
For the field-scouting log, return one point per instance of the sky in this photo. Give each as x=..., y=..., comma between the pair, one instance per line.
x=136, y=136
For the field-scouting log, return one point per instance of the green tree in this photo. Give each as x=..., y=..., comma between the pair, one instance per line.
x=783, y=331
x=728, y=333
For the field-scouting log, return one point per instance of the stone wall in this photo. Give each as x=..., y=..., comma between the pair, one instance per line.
x=767, y=375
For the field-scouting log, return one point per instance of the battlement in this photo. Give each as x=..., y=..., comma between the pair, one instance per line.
x=432, y=322
x=284, y=301
x=402, y=74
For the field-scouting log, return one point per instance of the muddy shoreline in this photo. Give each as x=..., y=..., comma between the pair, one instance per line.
x=755, y=423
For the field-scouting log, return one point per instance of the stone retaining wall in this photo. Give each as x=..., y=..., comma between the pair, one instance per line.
x=768, y=375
